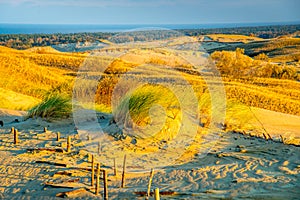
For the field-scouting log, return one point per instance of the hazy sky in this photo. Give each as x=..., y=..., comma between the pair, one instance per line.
x=148, y=11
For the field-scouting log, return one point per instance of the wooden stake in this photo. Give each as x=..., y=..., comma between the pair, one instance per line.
x=123, y=174
x=282, y=139
x=98, y=179
x=99, y=148
x=12, y=130
x=69, y=144
x=156, y=194
x=105, y=185
x=16, y=136
x=115, y=167
x=149, y=183
x=45, y=129
x=93, y=171
x=57, y=136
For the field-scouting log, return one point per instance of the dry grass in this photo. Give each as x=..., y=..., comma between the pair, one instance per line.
x=32, y=73
x=227, y=38
x=16, y=101
x=21, y=75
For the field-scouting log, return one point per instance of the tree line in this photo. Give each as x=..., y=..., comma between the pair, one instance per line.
x=25, y=41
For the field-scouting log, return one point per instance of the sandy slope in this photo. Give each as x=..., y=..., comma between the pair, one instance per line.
x=238, y=166
x=276, y=124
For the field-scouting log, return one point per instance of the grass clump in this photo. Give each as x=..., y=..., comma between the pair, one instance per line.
x=53, y=106
x=152, y=106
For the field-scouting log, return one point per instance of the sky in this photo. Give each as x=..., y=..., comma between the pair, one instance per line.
x=148, y=11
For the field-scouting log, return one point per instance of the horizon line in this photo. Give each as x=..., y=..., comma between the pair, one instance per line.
x=115, y=24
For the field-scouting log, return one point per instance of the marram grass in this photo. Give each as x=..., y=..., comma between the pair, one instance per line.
x=152, y=106
x=54, y=106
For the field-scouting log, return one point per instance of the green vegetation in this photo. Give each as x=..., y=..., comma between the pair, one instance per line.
x=144, y=98
x=55, y=106
x=25, y=41
x=140, y=105
x=258, y=31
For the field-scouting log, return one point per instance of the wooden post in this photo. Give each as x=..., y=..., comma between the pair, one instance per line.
x=99, y=148
x=105, y=185
x=156, y=194
x=57, y=136
x=12, y=130
x=16, y=136
x=115, y=167
x=98, y=179
x=149, y=183
x=93, y=171
x=123, y=174
x=45, y=129
x=69, y=144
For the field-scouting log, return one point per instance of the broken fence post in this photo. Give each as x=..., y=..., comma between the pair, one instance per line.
x=99, y=148
x=98, y=179
x=16, y=136
x=93, y=171
x=105, y=185
x=156, y=194
x=57, y=136
x=69, y=144
x=115, y=167
x=123, y=174
x=149, y=183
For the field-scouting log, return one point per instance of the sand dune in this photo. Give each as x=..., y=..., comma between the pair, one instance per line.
x=238, y=166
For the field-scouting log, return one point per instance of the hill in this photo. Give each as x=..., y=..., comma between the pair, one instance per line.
x=21, y=74
x=37, y=72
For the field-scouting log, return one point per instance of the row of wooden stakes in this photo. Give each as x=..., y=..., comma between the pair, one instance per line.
x=97, y=167
x=16, y=137
x=156, y=192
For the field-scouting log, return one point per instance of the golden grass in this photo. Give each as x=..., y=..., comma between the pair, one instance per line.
x=20, y=74
x=16, y=101
x=38, y=72
x=42, y=50
x=140, y=104
x=233, y=38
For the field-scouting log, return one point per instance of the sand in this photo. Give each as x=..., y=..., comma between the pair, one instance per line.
x=238, y=166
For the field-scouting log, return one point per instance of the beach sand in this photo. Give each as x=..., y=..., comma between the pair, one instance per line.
x=238, y=166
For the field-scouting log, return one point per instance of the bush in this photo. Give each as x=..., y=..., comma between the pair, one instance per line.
x=54, y=106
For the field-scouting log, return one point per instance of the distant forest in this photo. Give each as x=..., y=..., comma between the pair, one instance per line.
x=25, y=41
x=264, y=32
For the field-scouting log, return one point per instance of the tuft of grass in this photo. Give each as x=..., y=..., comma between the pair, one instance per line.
x=54, y=106
x=152, y=105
